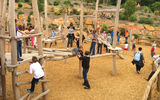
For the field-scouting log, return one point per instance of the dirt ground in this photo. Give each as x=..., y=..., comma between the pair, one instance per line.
x=66, y=85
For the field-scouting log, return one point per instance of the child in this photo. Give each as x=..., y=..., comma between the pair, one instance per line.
x=93, y=44
x=99, y=48
x=125, y=48
x=35, y=68
x=152, y=51
x=154, y=44
x=85, y=64
x=133, y=48
x=138, y=60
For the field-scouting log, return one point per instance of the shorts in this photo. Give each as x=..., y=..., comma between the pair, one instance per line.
x=125, y=48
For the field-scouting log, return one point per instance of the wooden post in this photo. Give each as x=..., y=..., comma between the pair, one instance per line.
x=81, y=34
x=46, y=17
x=13, y=48
x=115, y=36
x=96, y=14
x=158, y=83
x=2, y=48
x=130, y=37
x=40, y=48
x=65, y=31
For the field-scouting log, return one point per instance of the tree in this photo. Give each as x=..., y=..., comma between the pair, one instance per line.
x=130, y=7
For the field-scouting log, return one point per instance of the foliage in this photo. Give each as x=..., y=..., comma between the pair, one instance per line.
x=56, y=2
x=122, y=16
x=114, y=2
x=29, y=19
x=58, y=12
x=130, y=7
x=67, y=2
x=104, y=28
x=135, y=36
x=147, y=10
x=31, y=13
x=155, y=6
x=156, y=12
x=49, y=3
x=20, y=5
x=76, y=3
x=145, y=21
x=20, y=12
x=147, y=2
x=123, y=31
x=132, y=18
x=41, y=5
x=52, y=26
x=74, y=11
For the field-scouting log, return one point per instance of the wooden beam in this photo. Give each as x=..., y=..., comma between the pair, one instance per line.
x=27, y=36
x=110, y=10
x=42, y=94
x=46, y=17
x=25, y=96
x=20, y=73
x=102, y=55
x=89, y=16
x=28, y=82
x=12, y=30
x=115, y=36
x=96, y=18
x=5, y=37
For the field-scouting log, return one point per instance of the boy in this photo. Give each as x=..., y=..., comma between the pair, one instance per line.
x=152, y=51
x=138, y=60
x=35, y=68
x=85, y=64
x=93, y=44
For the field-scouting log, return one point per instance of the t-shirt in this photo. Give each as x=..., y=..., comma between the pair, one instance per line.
x=71, y=30
x=85, y=62
x=109, y=39
x=36, y=68
x=125, y=46
x=93, y=37
x=53, y=34
x=152, y=49
x=126, y=34
x=19, y=34
x=133, y=46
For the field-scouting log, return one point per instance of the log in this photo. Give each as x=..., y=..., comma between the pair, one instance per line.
x=20, y=73
x=110, y=10
x=25, y=96
x=28, y=82
x=158, y=82
x=102, y=55
x=115, y=36
x=96, y=16
x=5, y=37
x=42, y=94
x=12, y=30
x=46, y=16
x=27, y=36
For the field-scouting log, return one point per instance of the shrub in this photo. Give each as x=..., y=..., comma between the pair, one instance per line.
x=132, y=18
x=145, y=21
x=104, y=28
x=29, y=19
x=156, y=12
x=52, y=26
x=58, y=12
x=135, y=36
x=20, y=5
x=56, y=2
x=147, y=10
x=122, y=31
x=74, y=11
x=31, y=13
x=26, y=0
x=122, y=16
x=155, y=6
x=49, y=3
x=76, y=3
x=130, y=7
x=41, y=5
x=20, y=12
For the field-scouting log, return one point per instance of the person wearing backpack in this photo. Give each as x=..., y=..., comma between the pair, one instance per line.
x=138, y=60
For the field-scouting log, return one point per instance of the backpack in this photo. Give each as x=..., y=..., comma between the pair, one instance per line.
x=137, y=56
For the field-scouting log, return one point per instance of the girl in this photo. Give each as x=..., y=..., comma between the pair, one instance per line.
x=125, y=48
x=35, y=68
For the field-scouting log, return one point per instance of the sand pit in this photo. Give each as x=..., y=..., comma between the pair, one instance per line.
x=66, y=85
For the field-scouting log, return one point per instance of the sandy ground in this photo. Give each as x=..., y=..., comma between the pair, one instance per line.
x=66, y=85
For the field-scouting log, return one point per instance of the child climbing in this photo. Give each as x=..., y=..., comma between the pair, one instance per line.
x=35, y=68
x=138, y=60
x=93, y=44
x=85, y=64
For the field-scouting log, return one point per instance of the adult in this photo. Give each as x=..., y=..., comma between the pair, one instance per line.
x=93, y=44
x=53, y=33
x=138, y=60
x=70, y=35
x=118, y=37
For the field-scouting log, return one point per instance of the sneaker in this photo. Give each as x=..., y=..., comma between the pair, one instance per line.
x=20, y=59
x=86, y=87
x=138, y=72
x=29, y=90
x=83, y=84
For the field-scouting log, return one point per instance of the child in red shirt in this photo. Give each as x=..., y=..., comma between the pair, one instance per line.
x=152, y=51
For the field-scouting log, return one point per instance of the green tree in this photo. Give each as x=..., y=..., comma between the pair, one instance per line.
x=155, y=6
x=104, y=28
x=41, y=5
x=130, y=7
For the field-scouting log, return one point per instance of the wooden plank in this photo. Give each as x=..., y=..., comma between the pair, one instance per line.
x=42, y=94
x=5, y=37
x=20, y=73
x=103, y=55
x=158, y=82
x=96, y=16
x=28, y=82
x=46, y=17
x=25, y=96
x=110, y=10
x=27, y=36
x=115, y=36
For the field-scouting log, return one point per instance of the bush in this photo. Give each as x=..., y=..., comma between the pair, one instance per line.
x=41, y=5
x=56, y=2
x=147, y=10
x=20, y=5
x=74, y=11
x=31, y=13
x=145, y=21
x=122, y=16
x=135, y=36
x=104, y=28
x=49, y=3
x=20, y=12
x=76, y=3
x=122, y=31
x=53, y=26
x=58, y=12
x=29, y=19
x=156, y=12
x=130, y=7
x=155, y=6
x=132, y=18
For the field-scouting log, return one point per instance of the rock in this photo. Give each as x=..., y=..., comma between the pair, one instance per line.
x=89, y=21
x=149, y=28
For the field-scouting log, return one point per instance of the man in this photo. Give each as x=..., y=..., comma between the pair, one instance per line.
x=77, y=51
x=70, y=35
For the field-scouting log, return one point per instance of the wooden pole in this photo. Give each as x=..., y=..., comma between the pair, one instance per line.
x=115, y=36
x=40, y=48
x=2, y=48
x=81, y=34
x=158, y=83
x=96, y=14
x=130, y=37
x=13, y=48
x=65, y=31
x=46, y=17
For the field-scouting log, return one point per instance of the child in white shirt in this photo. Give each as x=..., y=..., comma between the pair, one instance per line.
x=35, y=68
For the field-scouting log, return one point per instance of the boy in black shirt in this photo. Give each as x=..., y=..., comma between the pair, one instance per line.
x=85, y=64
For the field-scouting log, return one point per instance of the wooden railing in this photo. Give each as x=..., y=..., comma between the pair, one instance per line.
x=154, y=81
